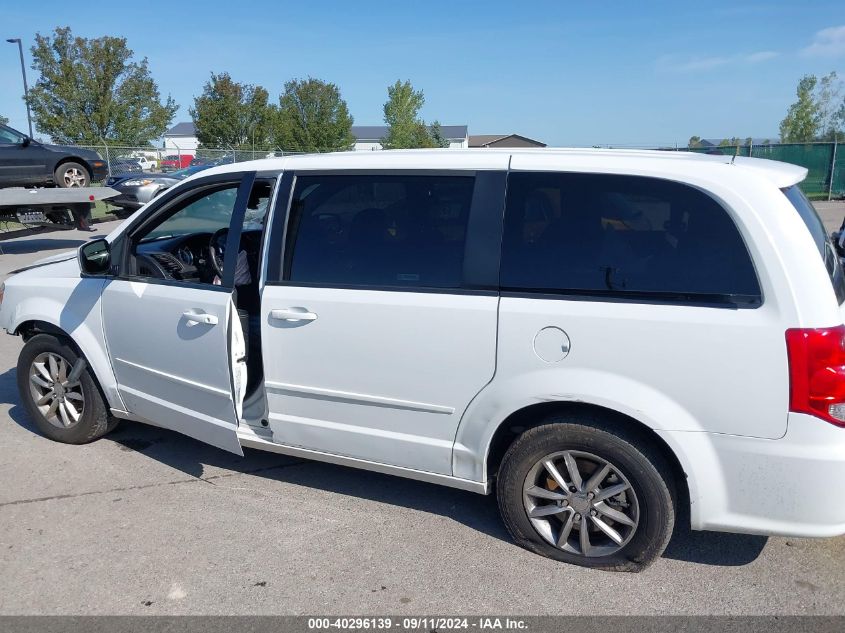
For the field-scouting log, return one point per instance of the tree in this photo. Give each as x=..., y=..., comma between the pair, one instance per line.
x=401, y=113
x=831, y=108
x=313, y=118
x=91, y=90
x=229, y=114
x=3, y=120
x=437, y=138
x=694, y=141
x=802, y=120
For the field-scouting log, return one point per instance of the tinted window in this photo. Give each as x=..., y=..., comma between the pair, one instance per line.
x=815, y=225
x=601, y=234
x=378, y=230
x=9, y=137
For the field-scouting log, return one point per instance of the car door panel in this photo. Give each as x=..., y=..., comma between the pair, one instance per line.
x=381, y=376
x=171, y=366
x=176, y=346
x=383, y=367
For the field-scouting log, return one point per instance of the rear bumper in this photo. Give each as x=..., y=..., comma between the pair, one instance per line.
x=792, y=486
x=126, y=201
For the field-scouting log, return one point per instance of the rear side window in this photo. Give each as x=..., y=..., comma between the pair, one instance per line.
x=815, y=225
x=629, y=236
x=367, y=230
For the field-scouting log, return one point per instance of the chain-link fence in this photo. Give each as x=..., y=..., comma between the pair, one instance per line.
x=824, y=162
x=127, y=160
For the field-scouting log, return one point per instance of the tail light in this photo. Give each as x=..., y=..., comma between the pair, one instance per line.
x=817, y=372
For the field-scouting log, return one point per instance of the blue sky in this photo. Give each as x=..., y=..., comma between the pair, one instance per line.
x=564, y=72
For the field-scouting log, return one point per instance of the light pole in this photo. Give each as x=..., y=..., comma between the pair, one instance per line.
x=17, y=40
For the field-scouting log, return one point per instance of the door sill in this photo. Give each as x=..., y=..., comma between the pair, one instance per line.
x=251, y=439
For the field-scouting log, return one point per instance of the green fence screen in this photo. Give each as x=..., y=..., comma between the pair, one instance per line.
x=825, y=163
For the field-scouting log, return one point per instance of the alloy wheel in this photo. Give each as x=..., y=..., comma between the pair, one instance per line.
x=56, y=389
x=581, y=503
x=74, y=177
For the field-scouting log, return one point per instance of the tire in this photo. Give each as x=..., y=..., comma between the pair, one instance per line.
x=648, y=502
x=93, y=420
x=72, y=175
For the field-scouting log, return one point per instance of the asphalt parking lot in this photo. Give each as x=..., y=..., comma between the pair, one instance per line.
x=148, y=522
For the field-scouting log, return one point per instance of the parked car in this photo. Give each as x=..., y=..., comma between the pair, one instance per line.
x=125, y=165
x=25, y=161
x=610, y=340
x=176, y=161
x=147, y=164
x=135, y=191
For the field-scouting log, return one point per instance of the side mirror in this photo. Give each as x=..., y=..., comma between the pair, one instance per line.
x=94, y=257
x=26, y=141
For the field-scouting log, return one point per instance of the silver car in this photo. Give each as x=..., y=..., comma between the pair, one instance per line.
x=137, y=189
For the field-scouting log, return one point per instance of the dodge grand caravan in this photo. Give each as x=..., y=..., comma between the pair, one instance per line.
x=606, y=339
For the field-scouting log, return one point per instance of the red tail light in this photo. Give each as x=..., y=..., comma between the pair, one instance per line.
x=817, y=372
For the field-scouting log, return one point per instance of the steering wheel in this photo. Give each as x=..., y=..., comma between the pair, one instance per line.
x=217, y=251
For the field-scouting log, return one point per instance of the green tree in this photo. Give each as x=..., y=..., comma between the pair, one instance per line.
x=748, y=141
x=3, y=120
x=313, y=118
x=802, y=120
x=90, y=90
x=694, y=141
x=437, y=138
x=231, y=114
x=401, y=113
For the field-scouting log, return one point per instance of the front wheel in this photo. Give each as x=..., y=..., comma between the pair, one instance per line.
x=583, y=494
x=72, y=175
x=59, y=392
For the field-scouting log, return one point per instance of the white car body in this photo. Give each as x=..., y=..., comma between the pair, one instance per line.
x=418, y=383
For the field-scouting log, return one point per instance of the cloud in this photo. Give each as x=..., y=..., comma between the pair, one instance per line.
x=682, y=64
x=828, y=42
x=760, y=56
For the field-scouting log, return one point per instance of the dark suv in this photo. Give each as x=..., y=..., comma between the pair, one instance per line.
x=24, y=161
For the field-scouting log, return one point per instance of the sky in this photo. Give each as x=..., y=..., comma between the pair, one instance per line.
x=563, y=72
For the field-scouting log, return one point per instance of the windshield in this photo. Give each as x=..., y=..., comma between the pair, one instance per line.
x=181, y=174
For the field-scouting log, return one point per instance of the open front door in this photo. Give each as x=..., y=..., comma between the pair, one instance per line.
x=170, y=349
x=172, y=330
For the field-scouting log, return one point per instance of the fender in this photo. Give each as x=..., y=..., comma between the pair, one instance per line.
x=71, y=305
x=503, y=397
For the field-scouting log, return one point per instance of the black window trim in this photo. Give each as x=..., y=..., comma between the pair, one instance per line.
x=120, y=248
x=680, y=299
x=480, y=264
x=485, y=269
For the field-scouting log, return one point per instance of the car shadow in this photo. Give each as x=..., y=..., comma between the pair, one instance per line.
x=475, y=511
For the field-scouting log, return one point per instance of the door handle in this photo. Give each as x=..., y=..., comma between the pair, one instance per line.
x=192, y=316
x=293, y=314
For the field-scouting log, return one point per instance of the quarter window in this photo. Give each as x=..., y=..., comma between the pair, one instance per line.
x=404, y=231
x=608, y=235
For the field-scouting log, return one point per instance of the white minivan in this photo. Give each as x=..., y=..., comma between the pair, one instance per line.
x=609, y=339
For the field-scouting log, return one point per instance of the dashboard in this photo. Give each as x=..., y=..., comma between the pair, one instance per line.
x=188, y=257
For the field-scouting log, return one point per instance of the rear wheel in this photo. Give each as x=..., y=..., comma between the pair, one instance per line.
x=59, y=392
x=72, y=175
x=583, y=494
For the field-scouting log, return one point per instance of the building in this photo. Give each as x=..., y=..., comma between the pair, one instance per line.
x=368, y=137
x=503, y=140
x=181, y=138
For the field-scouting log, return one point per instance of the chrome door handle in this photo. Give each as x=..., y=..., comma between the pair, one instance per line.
x=293, y=314
x=192, y=316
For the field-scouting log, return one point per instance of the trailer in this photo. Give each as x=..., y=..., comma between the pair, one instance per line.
x=55, y=207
